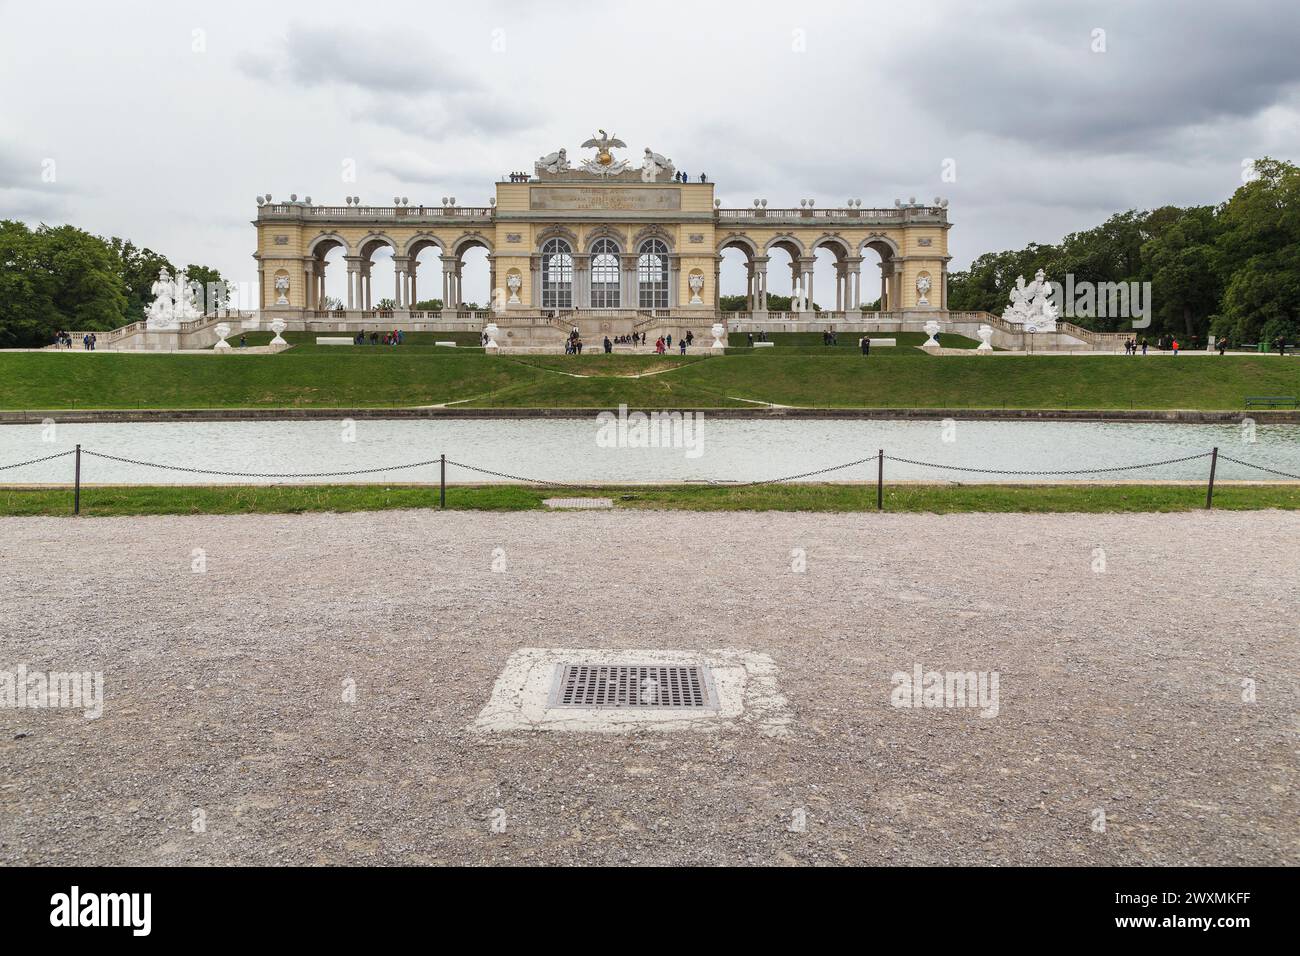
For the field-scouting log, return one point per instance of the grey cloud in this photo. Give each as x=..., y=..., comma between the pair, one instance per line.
x=1030, y=74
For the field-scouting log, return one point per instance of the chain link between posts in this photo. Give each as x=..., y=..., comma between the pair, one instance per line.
x=879, y=458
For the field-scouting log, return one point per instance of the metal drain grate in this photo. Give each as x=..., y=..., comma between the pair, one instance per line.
x=633, y=686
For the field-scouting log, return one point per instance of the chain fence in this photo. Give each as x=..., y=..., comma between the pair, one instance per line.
x=442, y=461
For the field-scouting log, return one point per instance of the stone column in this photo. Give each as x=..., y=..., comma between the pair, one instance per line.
x=630, y=298
x=353, y=273
x=808, y=265
x=760, y=267
x=308, y=284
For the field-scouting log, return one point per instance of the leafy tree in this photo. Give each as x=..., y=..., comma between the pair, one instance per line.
x=1259, y=256
x=428, y=305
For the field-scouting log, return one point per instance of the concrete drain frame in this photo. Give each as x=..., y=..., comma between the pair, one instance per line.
x=626, y=691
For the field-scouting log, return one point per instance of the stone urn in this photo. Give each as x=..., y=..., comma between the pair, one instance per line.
x=514, y=282
x=931, y=329
x=278, y=326
x=491, y=331
x=985, y=332
x=223, y=332
x=696, y=281
x=718, y=330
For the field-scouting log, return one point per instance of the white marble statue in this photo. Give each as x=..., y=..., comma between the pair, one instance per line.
x=514, y=282
x=223, y=332
x=173, y=302
x=931, y=329
x=922, y=290
x=278, y=326
x=985, y=332
x=697, y=286
x=653, y=165
x=1031, y=305
x=556, y=162
x=718, y=330
x=491, y=331
x=282, y=290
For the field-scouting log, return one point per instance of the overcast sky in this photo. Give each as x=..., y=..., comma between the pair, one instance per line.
x=161, y=122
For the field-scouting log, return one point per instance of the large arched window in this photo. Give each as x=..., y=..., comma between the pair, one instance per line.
x=652, y=275
x=557, y=275
x=604, y=275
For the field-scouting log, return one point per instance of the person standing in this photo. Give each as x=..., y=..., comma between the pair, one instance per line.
x=865, y=343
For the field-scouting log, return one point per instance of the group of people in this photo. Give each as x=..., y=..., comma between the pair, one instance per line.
x=1132, y=345
x=518, y=177
x=665, y=342
x=828, y=337
x=64, y=340
x=762, y=337
x=683, y=178
x=573, y=345
x=395, y=337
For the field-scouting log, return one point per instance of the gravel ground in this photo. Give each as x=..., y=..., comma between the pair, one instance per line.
x=1119, y=691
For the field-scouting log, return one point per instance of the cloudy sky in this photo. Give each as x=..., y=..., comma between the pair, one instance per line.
x=162, y=121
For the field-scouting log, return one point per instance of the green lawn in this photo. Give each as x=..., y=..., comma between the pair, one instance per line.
x=907, y=342
x=804, y=376
x=169, y=500
x=304, y=343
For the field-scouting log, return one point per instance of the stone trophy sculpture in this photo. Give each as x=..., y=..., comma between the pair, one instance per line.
x=491, y=331
x=556, y=162
x=922, y=290
x=718, y=330
x=985, y=332
x=223, y=332
x=514, y=282
x=278, y=326
x=282, y=290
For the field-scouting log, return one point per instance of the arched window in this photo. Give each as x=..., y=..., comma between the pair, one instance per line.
x=604, y=275
x=652, y=275
x=557, y=275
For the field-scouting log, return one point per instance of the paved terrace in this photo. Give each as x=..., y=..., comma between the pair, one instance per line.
x=1120, y=691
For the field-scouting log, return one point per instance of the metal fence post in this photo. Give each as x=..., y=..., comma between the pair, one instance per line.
x=1209, y=491
x=76, y=485
x=442, y=484
x=880, y=480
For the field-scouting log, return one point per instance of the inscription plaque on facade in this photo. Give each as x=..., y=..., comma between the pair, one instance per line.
x=577, y=198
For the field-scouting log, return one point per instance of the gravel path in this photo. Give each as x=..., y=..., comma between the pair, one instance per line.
x=224, y=711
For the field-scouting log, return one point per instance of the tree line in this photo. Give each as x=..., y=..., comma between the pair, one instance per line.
x=1231, y=270
x=61, y=278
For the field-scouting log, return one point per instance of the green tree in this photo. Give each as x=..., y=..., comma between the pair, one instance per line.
x=1259, y=256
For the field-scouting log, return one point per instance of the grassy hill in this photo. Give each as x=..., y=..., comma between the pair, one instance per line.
x=794, y=374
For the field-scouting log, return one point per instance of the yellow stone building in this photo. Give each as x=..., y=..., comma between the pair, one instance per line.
x=609, y=245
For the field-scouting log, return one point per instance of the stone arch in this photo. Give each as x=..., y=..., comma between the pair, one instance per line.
x=883, y=246
x=557, y=232
x=326, y=241
x=471, y=240
x=606, y=232
x=745, y=244
x=787, y=241
x=653, y=231
x=837, y=244
x=371, y=243
x=421, y=241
